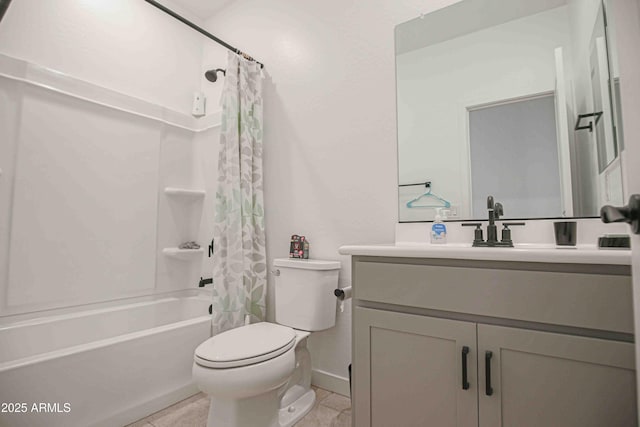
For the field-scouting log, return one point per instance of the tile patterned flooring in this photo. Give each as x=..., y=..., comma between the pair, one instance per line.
x=330, y=410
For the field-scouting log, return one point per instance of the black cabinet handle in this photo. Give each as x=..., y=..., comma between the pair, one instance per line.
x=465, y=380
x=487, y=372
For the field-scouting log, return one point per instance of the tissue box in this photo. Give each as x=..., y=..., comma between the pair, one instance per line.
x=299, y=247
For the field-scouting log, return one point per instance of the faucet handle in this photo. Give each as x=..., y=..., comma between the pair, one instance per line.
x=506, y=232
x=477, y=233
x=498, y=210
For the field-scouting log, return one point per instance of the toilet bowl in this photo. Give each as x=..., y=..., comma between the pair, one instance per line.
x=259, y=375
x=247, y=387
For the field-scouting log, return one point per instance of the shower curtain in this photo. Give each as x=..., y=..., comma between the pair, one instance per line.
x=239, y=258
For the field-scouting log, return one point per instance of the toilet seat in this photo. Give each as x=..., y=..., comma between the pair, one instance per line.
x=245, y=345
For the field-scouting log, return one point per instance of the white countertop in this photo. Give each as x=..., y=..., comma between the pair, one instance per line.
x=580, y=254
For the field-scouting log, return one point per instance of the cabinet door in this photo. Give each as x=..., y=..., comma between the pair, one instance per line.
x=408, y=371
x=545, y=379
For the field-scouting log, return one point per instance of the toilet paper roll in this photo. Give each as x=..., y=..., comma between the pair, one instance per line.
x=343, y=293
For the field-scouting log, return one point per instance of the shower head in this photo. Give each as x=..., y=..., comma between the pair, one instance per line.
x=212, y=75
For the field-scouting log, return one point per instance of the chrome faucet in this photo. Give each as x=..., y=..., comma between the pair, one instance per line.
x=495, y=212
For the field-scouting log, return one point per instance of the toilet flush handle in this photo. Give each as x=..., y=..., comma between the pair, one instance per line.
x=275, y=272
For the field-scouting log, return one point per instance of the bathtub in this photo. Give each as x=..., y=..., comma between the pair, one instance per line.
x=100, y=367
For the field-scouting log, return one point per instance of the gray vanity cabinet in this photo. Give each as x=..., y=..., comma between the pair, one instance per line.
x=415, y=366
x=414, y=323
x=549, y=379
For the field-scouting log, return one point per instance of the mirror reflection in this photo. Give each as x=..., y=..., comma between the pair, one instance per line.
x=512, y=98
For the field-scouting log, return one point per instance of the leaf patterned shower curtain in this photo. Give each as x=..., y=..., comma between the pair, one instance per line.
x=239, y=259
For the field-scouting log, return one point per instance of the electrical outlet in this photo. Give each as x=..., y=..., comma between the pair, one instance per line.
x=453, y=211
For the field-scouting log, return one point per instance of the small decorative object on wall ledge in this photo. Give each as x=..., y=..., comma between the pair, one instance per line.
x=189, y=245
x=299, y=247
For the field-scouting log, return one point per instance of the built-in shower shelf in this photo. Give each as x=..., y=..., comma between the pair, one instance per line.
x=183, y=254
x=185, y=193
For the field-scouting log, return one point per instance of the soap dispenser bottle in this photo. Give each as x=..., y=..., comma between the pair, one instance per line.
x=438, y=229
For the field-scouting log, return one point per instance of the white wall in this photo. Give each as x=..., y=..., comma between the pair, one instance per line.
x=124, y=45
x=330, y=138
x=438, y=83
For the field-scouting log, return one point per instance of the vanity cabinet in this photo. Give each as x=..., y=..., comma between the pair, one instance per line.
x=415, y=365
x=549, y=379
x=430, y=350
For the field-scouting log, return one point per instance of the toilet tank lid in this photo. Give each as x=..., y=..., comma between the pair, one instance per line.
x=307, y=264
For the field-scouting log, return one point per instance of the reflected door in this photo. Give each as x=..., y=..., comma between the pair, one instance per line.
x=514, y=157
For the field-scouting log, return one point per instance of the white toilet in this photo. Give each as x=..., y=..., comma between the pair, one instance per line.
x=259, y=375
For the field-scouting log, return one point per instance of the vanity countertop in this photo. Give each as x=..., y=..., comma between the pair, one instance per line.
x=580, y=254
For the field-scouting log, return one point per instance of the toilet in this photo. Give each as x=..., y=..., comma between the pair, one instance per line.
x=259, y=375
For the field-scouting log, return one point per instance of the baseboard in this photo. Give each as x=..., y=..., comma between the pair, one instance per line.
x=331, y=382
x=156, y=404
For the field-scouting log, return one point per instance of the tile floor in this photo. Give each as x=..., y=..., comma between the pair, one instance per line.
x=330, y=410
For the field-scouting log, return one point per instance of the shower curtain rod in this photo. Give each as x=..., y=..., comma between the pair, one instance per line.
x=202, y=31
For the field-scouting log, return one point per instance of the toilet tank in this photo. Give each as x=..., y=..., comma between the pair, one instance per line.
x=304, y=293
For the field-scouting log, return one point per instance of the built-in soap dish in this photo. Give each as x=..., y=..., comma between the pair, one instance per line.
x=183, y=254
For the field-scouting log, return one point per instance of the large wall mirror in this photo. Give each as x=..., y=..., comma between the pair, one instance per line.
x=518, y=99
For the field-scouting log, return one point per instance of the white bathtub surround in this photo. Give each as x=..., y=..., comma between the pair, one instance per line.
x=239, y=258
x=91, y=217
x=92, y=133
x=86, y=218
x=112, y=365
